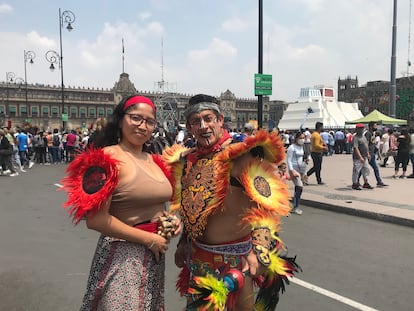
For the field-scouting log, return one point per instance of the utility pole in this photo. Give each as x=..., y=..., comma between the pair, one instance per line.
x=260, y=69
x=393, y=85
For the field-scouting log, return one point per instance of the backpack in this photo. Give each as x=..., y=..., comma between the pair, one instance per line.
x=56, y=140
x=38, y=141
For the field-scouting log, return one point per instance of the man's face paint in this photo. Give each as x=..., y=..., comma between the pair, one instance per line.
x=206, y=127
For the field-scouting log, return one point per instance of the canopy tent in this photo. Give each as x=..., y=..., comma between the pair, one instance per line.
x=378, y=117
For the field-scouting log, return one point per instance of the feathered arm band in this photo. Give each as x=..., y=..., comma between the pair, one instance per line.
x=91, y=179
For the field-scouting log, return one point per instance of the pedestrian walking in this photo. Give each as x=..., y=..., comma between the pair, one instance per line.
x=296, y=164
x=360, y=157
x=318, y=147
x=411, y=153
x=403, y=151
x=370, y=135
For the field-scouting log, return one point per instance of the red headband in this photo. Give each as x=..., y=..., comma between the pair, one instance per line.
x=139, y=100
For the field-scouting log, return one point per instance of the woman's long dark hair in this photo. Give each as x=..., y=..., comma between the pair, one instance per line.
x=111, y=133
x=407, y=138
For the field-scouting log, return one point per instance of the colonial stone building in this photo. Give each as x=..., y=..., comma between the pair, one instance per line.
x=41, y=106
x=375, y=95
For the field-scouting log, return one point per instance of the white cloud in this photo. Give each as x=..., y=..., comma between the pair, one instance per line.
x=5, y=8
x=306, y=42
x=155, y=28
x=144, y=15
x=234, y=24
x=35, y=39
x=217, y=48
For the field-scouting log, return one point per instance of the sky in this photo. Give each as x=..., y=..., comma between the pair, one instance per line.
x=206, y=46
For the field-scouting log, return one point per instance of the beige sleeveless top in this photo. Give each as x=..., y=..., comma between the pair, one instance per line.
x=142, y=190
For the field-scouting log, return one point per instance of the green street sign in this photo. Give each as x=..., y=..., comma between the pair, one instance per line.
x=262, y=84
x=64, y=117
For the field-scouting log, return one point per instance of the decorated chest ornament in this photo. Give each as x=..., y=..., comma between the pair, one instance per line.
x=91, y=179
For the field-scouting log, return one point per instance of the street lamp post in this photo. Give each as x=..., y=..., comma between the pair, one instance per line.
x=9, y=78
x=65, y=18
x=19, y=82
x=28, y=56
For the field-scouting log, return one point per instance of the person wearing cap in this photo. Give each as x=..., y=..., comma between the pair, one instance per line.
x=121, y=191
x=360, y=157
x=231, y=203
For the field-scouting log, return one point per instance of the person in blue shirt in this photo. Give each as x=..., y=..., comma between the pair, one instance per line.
x=22, y=143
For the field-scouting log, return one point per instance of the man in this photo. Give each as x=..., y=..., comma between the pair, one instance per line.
x=180, y=136
x=56, y=147
x=339, y=142
x=411, y=153
x=307, y=145
x=318, y=147
x=370, y=136
x=360, y=157
x=247, y=131
x=71, y=141
x=23, y=145
x=15, y=158
x=218, y=188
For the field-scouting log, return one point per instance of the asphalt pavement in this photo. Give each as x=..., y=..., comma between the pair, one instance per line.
x=46, y=260
x=393, y=203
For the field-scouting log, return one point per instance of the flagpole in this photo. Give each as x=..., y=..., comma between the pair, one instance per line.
x=123, y=58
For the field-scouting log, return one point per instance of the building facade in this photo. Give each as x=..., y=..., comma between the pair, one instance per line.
x=375, y=95
x=41, y=106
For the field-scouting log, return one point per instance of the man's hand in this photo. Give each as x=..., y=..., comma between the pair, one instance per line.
x=252, y=265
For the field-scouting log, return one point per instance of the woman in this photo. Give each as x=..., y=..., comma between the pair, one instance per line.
x=392, y=147
x=296, y=163
x=127, y=271
x=6, y=151
x=403, y=153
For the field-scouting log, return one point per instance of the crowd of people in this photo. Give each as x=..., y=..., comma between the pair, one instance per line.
x=22, y=148
x=369, y=146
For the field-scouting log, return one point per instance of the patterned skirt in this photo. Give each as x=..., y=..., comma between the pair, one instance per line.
x=124, y=276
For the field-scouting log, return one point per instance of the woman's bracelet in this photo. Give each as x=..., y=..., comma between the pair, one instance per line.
x=152, y=244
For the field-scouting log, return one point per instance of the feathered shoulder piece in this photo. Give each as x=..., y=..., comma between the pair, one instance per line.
x=161, y=164
x=174, y=154
x=90, y=180
x=173, y=164
x=271, y=145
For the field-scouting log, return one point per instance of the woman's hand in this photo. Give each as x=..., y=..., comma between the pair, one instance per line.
x=158, y=246
x=294, y=174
